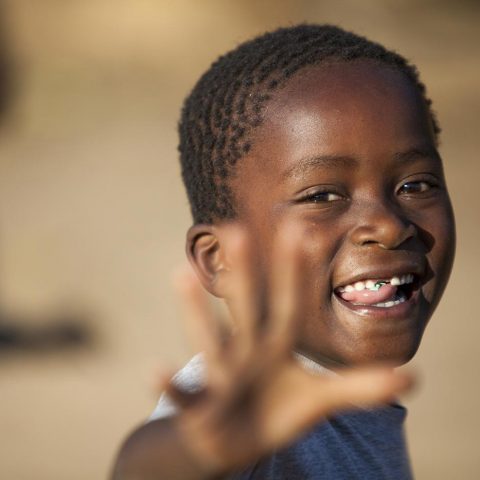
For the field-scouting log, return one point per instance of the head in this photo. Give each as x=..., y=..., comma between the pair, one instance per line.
x=334, y=133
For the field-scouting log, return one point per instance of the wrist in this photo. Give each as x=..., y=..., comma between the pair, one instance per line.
x=160, y=450
x=196, y=448
x=199, y=447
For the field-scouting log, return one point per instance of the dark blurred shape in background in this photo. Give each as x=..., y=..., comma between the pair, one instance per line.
x=56, y=333
x=7, y=82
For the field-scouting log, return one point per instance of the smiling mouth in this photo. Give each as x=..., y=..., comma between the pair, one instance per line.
x=378, y=293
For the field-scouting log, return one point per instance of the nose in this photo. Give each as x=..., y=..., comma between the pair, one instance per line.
x=382, y=225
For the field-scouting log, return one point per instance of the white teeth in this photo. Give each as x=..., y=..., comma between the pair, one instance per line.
x=370, y=284
x=388, y=304
x=359, y=286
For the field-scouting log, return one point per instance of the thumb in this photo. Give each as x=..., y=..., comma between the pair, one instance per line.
x=364, y=387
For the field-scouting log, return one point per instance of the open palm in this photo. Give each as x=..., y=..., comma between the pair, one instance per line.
x=257, y=396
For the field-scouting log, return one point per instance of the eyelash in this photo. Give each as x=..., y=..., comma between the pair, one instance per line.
x=329, y=196
x=425, y=187
x=314, y=197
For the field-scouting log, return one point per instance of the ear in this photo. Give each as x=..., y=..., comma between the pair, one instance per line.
x=206, y=254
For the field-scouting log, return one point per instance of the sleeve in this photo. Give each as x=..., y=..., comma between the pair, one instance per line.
x=190, y=378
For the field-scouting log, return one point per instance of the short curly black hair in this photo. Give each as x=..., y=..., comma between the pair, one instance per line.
x=226, y=104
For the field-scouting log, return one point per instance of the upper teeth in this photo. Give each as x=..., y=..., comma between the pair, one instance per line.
x=373, y=285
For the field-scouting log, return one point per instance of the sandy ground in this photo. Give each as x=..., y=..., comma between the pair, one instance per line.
x=93, y=214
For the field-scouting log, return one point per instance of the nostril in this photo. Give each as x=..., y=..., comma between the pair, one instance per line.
x=382, y=223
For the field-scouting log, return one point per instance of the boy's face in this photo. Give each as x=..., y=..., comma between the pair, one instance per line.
x=347, y=153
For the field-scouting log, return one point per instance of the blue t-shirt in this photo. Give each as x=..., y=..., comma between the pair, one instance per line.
x=364, y=444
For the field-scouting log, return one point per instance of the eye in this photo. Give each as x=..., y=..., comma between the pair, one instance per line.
x=322, y=197
x=415, y=187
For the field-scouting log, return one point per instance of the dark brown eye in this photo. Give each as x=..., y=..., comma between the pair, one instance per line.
x=319, y=197
x=410, y=188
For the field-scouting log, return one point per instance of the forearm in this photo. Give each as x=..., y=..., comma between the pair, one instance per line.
x=158, y=451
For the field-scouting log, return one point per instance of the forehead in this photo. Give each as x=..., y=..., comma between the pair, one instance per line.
x=356, y=108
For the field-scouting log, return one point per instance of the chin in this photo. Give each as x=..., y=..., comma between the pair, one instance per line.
x=393, y=352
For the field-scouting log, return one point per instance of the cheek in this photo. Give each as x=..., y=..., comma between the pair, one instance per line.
x=321, y=242
x=438, y=234
x=319, y=252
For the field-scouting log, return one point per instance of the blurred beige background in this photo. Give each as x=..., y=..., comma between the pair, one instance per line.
x=93, y=214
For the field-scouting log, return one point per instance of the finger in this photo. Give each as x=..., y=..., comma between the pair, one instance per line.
x=163, y=383
x=244, y=295
x=182, y=398
x=160, y=379
x=363, y=387
x=284, y=288
x=316, y=397
x=201, y=326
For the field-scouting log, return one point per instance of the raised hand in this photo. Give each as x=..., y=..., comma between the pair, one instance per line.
x=257, y=397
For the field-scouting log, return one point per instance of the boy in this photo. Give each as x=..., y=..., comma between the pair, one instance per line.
x=321, y=146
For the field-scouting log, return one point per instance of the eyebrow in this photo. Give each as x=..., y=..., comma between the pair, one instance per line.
x=323, y=161
x=334, y=161
x=415, y=154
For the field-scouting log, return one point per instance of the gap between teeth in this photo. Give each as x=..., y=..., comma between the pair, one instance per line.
x=370, y=284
